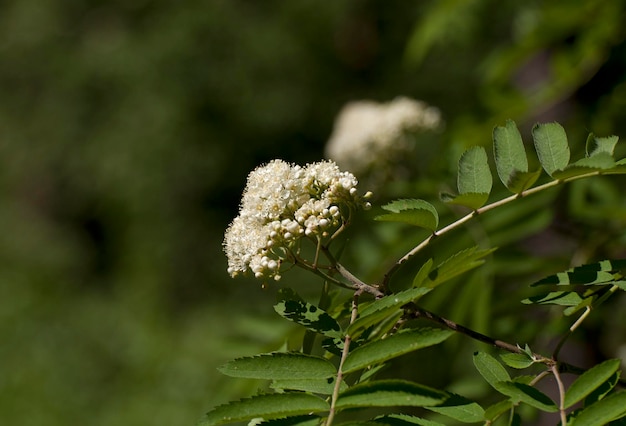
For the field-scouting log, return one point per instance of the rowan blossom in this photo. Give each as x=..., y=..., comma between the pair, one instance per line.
x=370, y=136
x=283, y=203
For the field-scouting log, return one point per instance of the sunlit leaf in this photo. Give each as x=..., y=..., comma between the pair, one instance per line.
x=414, y=212
x=279, y=365
x=552, y=146
x=589, y=381
x=593, y=273
x=496, y=410
x=404, y=420
x=563, y=298
x=271, y=406
x=474, y=173
x=398, y=344
x=602, y=412
x=603, y=390
x=509, y=153
x=390, y=393
x=292, y=307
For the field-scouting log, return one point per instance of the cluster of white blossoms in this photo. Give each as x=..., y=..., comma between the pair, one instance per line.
x=282, y=203
x=366, y=133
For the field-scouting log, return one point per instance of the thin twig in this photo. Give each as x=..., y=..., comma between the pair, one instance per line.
x=557, y=376
x=474, y=214
x=344, y=355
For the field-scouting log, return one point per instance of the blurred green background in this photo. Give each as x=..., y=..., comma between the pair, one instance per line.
x=127, y=130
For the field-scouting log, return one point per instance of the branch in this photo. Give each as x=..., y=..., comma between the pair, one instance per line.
x=475, y=213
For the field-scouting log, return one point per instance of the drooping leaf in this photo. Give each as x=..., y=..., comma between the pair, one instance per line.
x=404, y=420
x=320, y=386
x=509, y=153
x=602, y=412
x=552, y=146
x=594, y=273
x=381, y=308
x=563, y=298
x=527, y=394
x=292, y=307
x=460, y=409
x=596, y=145
x=270, y=406
x=398, y=344
x=280, y=365
x=455, y=265
x=390, y=393
x=414, y=212
x=589, y=381
x=490, y=369
x=474, y=173
x=471, y=200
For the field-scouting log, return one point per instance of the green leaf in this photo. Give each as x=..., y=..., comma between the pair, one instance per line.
x=279, y=365
x=589, y=381
x=293, y=421
x=521, y=181
x=496, y=410
x=422, y=274
x=398, y=344
x=390, y=393
x=596, y=145
x=321, y=386
x=404, y=420
x=457, y=264
x=471, y=200
x=271, y=406
x=597, y=163
x=602, y=412
x=603, y=389
x=509, y=153
x=460, y=409
x=383, y=307
x=521, y=392
x=474, y=173
x=562, y=298
x=518, y=361
x=594, y=273
x=414, y=212
x=490, y=369
x=552, y=146
x=292, y=307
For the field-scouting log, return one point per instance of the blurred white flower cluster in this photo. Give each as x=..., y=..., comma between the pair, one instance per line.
x=369, y=135
x=281, y=204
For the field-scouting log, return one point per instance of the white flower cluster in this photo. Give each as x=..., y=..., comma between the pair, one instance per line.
x=281, y=204
x=366, y=133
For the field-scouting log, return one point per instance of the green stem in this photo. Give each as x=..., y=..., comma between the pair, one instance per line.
x=344, y=355
x=474, y=214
